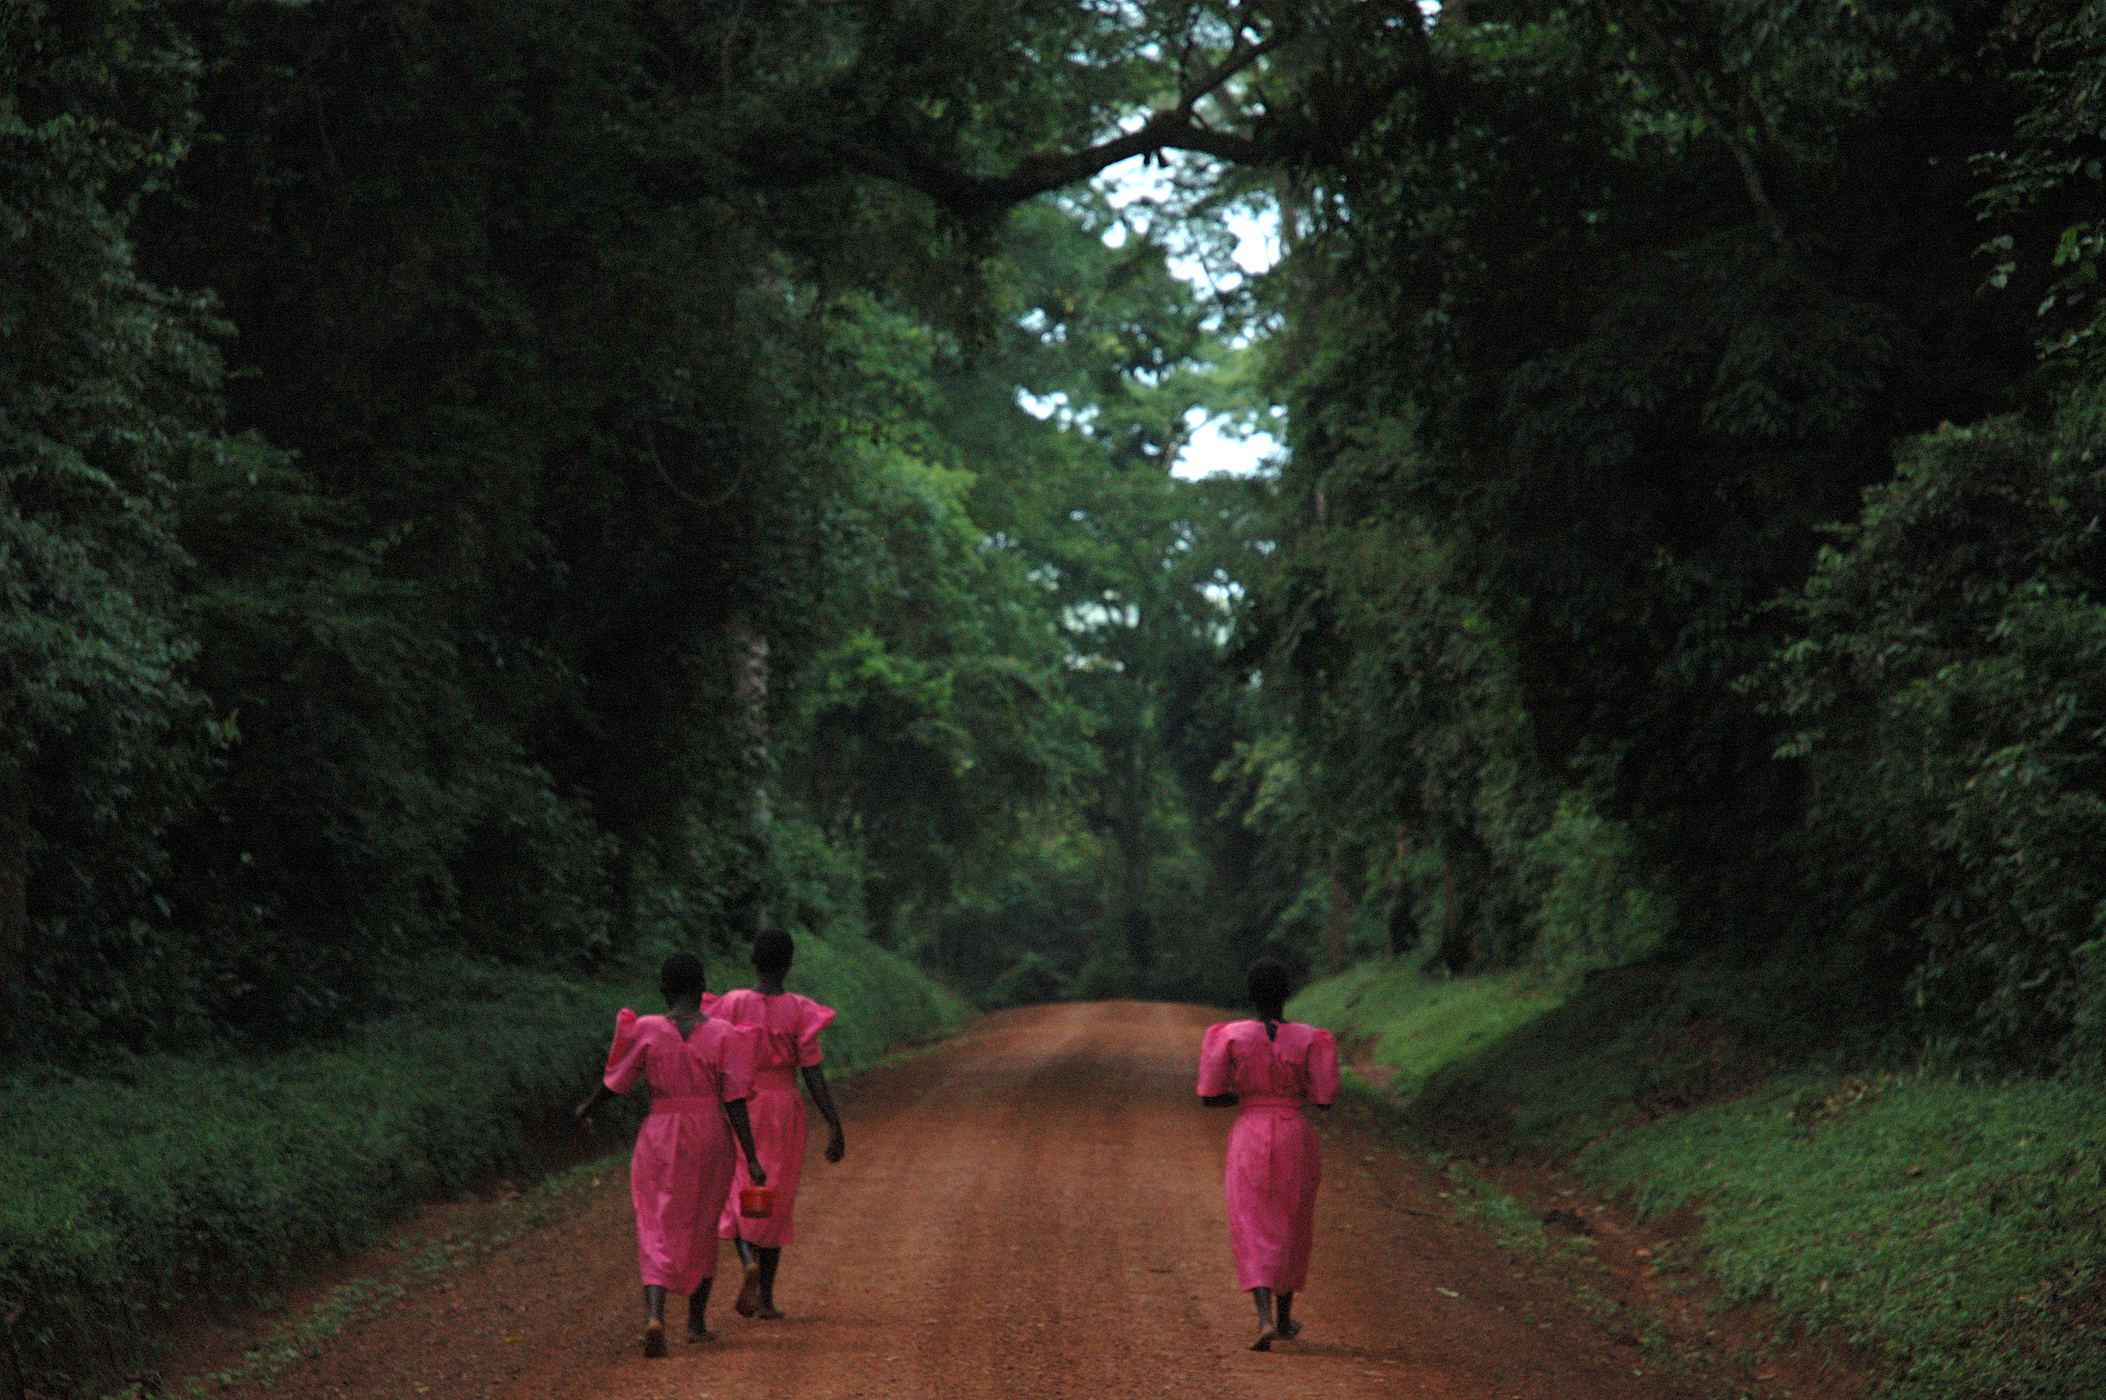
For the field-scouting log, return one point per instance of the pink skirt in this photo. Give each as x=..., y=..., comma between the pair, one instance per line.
x=779, y=1137
x=1273, y=1170
x=678, y=1178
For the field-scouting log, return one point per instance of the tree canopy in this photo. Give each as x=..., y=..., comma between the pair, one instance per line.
x=535, y=482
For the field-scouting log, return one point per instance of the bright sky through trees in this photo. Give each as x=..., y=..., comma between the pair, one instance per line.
x=1211, y=449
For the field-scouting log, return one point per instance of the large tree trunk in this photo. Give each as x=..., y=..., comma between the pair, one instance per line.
x=1135, y=870
x=623, y=877
x=14, y=896
x=1403, y=925
x=18, y=1375
x=1340, y=909
x=749, y=689
x=1464, y=865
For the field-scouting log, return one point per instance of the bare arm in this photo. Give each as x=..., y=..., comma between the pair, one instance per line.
x=815, y=1082
x=600, y=1095
x=742, y=1129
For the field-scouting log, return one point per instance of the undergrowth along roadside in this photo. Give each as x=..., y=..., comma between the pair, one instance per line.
x=1947, y=1222
x=167, y=1187
x=1952, y=1224
x=1564, y=1259
x=298, y=1337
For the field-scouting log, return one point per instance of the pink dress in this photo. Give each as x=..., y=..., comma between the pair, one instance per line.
x=787, y=1027
x=1273, y=1163
x=681, y=1169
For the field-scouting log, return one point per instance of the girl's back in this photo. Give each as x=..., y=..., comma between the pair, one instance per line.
x=651, y=1048
x=786, y=1025
x=1296, y=1061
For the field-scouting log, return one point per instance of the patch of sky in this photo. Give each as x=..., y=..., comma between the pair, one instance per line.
x=1214, y=249
x=1049, y=332
x=1055, y=406
x=1089, y=617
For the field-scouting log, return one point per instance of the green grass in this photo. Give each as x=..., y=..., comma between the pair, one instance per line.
x=301, y=1335
x=1649, y=1039
x=136, y=1198
x=1415, y=1025
x=1952, y=1226
x=884, y=999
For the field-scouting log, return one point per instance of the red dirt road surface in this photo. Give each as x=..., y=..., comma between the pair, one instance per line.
x=1031, y=1209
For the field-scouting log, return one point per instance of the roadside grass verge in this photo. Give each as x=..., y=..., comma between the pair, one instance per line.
x=885, y=1000
x=163, y=1188
x=1391, y=1015
x=1653, y=1038
x=1949, y=1223
x=1953, y=1225
x=301, y=1335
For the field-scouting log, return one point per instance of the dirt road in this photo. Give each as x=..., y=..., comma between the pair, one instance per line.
x=1032, y=1209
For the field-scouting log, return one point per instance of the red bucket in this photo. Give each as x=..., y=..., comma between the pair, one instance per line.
x=757, y=1202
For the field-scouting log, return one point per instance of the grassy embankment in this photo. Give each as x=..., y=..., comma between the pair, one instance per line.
x=128, y=1202
x=1950, y=1222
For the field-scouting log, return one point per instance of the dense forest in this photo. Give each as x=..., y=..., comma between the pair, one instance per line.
x=527, y=483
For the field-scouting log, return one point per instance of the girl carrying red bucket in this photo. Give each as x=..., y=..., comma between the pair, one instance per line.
x=787, y=1028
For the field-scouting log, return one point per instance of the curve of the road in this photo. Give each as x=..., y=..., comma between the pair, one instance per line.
x=1031, y=1209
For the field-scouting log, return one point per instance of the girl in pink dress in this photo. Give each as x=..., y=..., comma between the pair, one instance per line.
x=787, y=1028
x=699, y=1069
x=1271, y=1066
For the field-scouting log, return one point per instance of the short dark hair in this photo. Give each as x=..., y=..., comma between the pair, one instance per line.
x=1268, y=983
x=682, y=975
x=772, y=952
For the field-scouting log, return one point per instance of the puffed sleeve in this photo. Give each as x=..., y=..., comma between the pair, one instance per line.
x=1215, y=1072
x=735, y=1070
x=812, y=1018
x=1323, y=1067
x=625, y=1058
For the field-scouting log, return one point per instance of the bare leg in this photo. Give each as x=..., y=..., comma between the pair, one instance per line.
x=749, y=1299
x=1263, y=1298
x=770, y=1261
x=697, y=1312
x=745, y=1251
x=654, y=1320
x=1288, y=1328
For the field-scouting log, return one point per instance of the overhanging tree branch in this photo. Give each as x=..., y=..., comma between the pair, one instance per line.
x=963, y=192
x=1750, y=174
x=1175, y=129
x=1240, y=57
x=1359, y=93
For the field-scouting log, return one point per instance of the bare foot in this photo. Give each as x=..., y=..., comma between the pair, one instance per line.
x=749, y=1294
x=768, y=1312
x=1264, y=1342
x=654, y=1339
x=1289, y=1331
